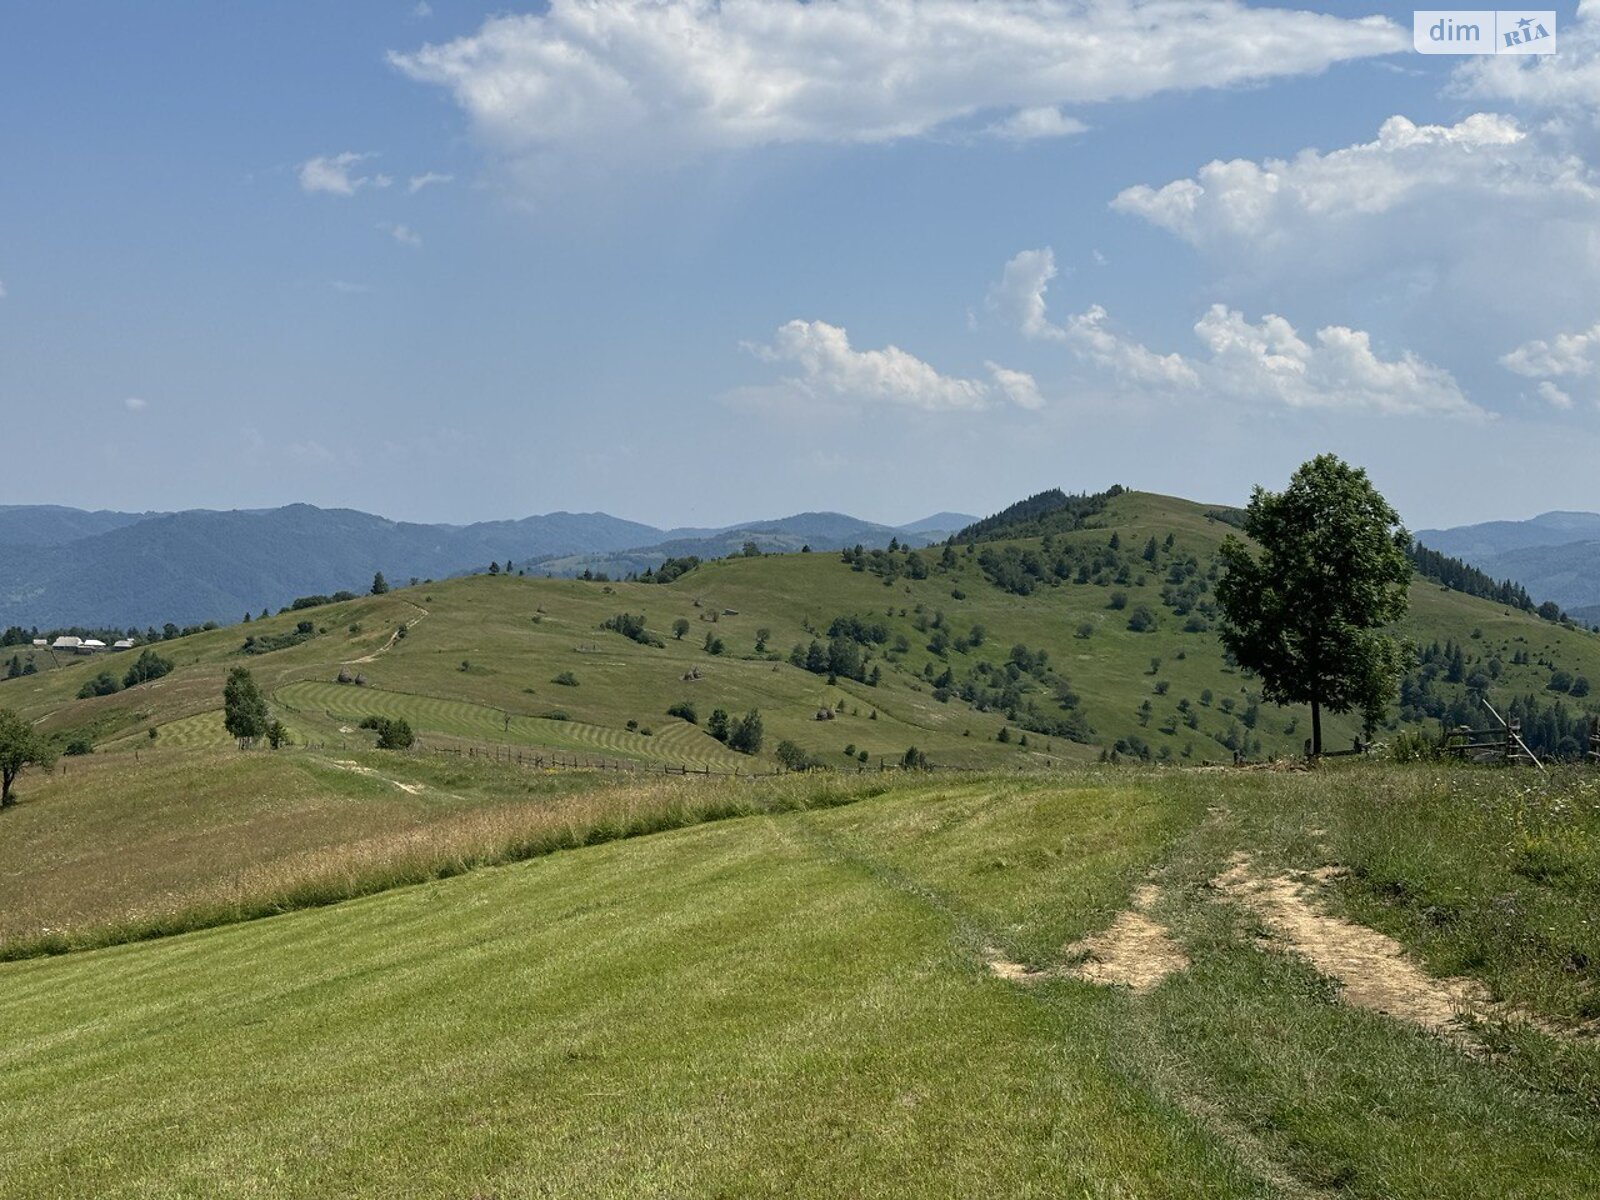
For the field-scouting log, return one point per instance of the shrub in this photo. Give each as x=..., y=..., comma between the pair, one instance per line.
x=1142, y=619
x=683, y=710
x=394, y=733
x=793, y=757
x=566, y=679
x=103, y=684
x=632, y=628
x=79, y=746
x=914, y=760
x=149, y=665
x=1118, y=601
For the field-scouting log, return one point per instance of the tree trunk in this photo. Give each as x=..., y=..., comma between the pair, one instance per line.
x=1316, y=729
x=8, y=778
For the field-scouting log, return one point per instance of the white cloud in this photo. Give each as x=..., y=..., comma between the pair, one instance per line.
x=832, y=371
x=1017, y=386
x=2, y=291
x=349, y=288
x=1565, y=355
x=661, y=81
x=1266, y=362
x=1484, y=224
x=135, y=405
x=1554, y=396
x=1242, y=204
x=403, y=234
x=1020, y=296
x=1568, y=80
x=427, y=179
x=1031, y=124
x=421, y=9
x=1271, y=362
x=335, y=174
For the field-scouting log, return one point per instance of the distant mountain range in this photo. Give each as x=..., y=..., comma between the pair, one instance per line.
x=1555, y=555
x=64, y=566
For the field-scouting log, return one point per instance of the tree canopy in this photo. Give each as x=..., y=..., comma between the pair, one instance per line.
x=20, y=746
x=1307, y=614
x=244, y=708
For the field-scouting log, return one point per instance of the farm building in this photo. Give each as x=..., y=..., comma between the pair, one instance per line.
x=67, y=642
x=41, y=643
x=91, y=646
x=122, y=644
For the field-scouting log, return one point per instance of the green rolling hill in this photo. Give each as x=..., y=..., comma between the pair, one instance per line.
x=1042, y=639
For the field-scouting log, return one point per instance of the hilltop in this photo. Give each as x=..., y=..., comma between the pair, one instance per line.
x=1057, y=630
x=484, y=976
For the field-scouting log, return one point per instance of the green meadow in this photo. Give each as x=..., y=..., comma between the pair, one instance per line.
x=799, y=998
x=1077, y=958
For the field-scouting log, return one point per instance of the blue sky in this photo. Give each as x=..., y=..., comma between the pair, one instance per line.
x=692, y=263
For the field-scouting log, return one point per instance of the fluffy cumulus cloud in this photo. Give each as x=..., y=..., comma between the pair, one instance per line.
x=1484, y=219
x=664, y=80
x=1254, y=207
x=1567, y=80
x=1016, y=386
x=1566, y=356
x=831, y=371
x=338, y=174
x=1265, y=362
x=1271, y=362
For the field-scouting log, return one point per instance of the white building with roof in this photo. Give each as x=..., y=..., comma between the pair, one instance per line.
x=67, y=642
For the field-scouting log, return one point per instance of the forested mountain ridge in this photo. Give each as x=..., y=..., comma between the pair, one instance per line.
x=66, y=567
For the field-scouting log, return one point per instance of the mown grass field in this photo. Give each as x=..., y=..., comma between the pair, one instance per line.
x=798, y=999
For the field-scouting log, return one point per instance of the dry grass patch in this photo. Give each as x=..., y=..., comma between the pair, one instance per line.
x=1372, y=968
x=1134, y=951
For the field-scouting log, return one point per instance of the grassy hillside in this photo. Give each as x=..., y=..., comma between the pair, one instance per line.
x=812, y=1003
x=481, y=656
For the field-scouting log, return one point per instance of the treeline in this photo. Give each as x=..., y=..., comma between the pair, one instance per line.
x=1460, y=577
x=1448, y=685
x=16, y=635
x=1052, y=511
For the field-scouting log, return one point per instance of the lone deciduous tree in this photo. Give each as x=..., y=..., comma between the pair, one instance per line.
x=1307, y=614
x=244, y=709
x=20, y=746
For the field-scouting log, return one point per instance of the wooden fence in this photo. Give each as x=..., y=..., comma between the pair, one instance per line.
x=1503, y=744
x=1594, y=741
